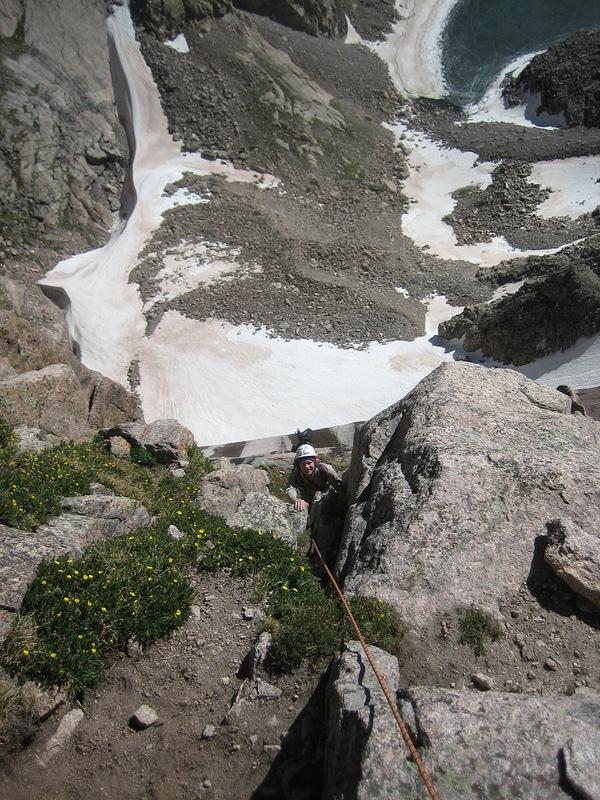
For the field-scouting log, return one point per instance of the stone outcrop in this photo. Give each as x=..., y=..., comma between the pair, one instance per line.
x=567, y=79
x=84, y=520
x=33, y=337
x=61, y=158
x=473, y=746
x=262, y=512
x=311, y=16
x=50, y=399
x=362, y=744
x=548, y=313
x=164, y=439
x=317, y=17
x=462, y=473
x=574, y=555
x=240, y=495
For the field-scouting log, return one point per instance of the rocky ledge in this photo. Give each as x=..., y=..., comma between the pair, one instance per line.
x=558, y=303
x=567, y=79
x=317, y=17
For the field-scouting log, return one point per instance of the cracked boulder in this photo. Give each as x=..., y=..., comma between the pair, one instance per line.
x=461, y=474
x=166, y=440
x=574, y=555
x=501, y=745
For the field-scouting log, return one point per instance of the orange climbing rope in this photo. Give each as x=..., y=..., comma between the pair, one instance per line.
x=388, y=695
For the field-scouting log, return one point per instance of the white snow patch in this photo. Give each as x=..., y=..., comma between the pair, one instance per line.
x=436, y=172
x=190, y=265
x=105, y=314
x=579, y=366
x=179, y=43
x=412, y=50
x=574, y=183
x=353, y=36
x=402, y=291
x=506, y=290
x=492, y=107
x=228, y=383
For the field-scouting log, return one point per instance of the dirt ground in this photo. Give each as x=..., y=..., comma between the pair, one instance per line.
x=190, y=680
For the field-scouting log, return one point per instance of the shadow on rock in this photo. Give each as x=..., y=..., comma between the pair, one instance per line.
x=297, y=771
x=554, y=595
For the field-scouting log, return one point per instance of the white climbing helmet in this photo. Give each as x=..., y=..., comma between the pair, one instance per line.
x=305, y=451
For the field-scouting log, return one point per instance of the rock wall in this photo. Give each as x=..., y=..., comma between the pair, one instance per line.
x=317, y=17
x=462, y=474
x=61, y=149
x=567, y=79
x=497, y=745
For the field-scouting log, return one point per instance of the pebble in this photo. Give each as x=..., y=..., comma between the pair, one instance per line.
x=481, y=681
x=271, y=748
x=143, y=718
x=236, y=748
x=208, y=732
x=175, y=533
x=206, y=783
x=247, y=613
x=225, y=681
x=551, y=665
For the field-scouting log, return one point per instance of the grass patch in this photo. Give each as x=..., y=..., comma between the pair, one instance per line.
x=475, y=628
x=77, y=611
x=15, y=701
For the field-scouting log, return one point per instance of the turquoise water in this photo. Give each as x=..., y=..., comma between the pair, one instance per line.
x=483, y=36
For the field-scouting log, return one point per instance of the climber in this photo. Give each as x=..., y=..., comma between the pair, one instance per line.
x=309, y=480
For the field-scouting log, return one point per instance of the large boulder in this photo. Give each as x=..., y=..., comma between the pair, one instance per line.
x=241, y=496
x=222, y=491
x=50, y=399
x=109, y=403
x=85, y=519
x=262, y=512
x=33, y=336
x=462, y=474
x=501, y=745
x=166, y=440
x=567, y=79
x=574, y=555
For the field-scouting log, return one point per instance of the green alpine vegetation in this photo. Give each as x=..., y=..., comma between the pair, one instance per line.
x=77, y=612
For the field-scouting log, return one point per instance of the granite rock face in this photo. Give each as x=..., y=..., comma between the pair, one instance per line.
x=473, y=745
x=317, y=17
x=567, y=79
x=462, y=473
x=61, y=154
x=363, y=745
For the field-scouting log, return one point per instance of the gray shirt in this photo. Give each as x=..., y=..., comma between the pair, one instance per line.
x=303, y=488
